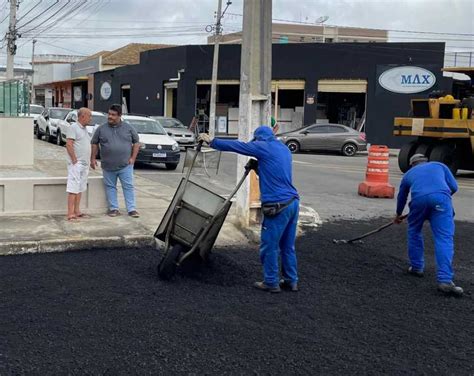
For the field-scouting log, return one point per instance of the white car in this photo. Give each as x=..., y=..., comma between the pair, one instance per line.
x=35, y=111
x=156, y=146
x=97, y=118
x=48, y=122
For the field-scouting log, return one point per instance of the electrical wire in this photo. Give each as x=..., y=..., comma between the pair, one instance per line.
x=51, y=17
x=27, y=13
x=356, y=27
x=38, y=16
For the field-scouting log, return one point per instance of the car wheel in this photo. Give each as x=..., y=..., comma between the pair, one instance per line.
x=446, y=154
x=294, y=146
x=47, y=136
x=349, y=149
x=59, y=140
x=39, y=136
x=171, y=166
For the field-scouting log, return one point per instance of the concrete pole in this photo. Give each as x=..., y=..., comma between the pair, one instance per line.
x=215, y=68
x=33, y=93
x=11, y=39
x=255, y=94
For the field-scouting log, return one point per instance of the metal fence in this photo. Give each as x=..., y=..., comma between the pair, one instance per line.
x=14, y=98
x=459, y=59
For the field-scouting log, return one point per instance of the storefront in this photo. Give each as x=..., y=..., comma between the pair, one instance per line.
x=312, y=83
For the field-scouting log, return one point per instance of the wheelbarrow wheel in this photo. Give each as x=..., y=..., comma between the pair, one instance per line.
x=167, y=265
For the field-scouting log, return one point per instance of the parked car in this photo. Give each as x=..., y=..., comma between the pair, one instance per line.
x=35, y=111
x=325, y=137
x=48, y=122
x=97, y=119
x=156, y=146
x=183, y=136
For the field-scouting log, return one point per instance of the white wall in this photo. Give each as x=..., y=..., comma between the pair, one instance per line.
x=47, y=73
x=16, y=141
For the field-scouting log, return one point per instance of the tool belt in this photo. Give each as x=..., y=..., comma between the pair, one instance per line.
x=272, y=210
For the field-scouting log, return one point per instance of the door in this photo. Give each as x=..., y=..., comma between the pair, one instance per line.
x=336, y=137
x=312, y=138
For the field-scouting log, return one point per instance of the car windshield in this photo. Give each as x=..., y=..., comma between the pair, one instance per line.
x=36, y=110
x=170, y=123
x=58, y=113
x=98, y=119
x=146, y=126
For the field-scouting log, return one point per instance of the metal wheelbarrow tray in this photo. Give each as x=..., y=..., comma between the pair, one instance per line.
x=192, y=223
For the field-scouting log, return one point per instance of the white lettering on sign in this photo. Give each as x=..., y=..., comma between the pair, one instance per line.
x=407, y=80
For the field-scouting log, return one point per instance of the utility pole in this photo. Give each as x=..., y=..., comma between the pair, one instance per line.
x=215, y=67
x=11, y=40
x=255, y=95
x=33, y=94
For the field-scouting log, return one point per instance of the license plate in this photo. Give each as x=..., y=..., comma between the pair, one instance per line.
x=159, y=155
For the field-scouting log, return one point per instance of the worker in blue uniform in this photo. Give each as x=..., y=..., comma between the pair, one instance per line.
x=280, y=205
x=431, y=185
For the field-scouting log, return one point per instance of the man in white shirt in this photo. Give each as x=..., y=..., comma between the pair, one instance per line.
x=78, y=146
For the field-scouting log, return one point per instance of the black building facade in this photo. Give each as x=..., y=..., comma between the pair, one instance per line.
x=312, y=83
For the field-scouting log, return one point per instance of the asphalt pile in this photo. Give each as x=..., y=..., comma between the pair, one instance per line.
x=105, y=312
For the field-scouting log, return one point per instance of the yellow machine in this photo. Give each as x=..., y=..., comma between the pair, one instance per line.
x=444, y=128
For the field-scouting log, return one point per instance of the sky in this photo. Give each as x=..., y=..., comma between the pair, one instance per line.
x=109, y=24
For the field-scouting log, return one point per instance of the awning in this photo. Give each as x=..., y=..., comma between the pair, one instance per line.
x=288, y=84
x=342, y=86
x=219, y=82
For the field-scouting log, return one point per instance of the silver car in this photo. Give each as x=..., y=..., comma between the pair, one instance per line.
x=182, y=135
x=325, y=137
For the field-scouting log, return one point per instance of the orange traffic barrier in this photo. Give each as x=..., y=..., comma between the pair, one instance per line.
x=376, y=178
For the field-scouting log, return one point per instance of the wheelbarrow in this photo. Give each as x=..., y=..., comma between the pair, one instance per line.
x=193, y=220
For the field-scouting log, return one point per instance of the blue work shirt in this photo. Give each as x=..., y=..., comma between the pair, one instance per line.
x=274, y=164
x=424, y=179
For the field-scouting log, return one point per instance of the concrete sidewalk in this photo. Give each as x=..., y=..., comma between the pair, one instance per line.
x=51, y=233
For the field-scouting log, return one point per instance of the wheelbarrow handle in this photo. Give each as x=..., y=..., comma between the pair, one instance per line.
x=199, y=146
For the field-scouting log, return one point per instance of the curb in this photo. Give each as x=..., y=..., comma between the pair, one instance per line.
x=65, y=245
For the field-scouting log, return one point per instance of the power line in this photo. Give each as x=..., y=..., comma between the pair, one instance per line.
x=39, y=15
x=51, y=17
x=30, y=10
x=357, y=27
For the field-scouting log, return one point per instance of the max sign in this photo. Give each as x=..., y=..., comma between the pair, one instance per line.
x=407, y=80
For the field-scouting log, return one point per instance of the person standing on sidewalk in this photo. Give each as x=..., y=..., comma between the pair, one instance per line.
x=119, y=146
x=78, y=147
x=431, y=185
x=280, y=205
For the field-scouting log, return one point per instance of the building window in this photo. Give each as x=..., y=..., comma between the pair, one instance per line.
x=329, y=40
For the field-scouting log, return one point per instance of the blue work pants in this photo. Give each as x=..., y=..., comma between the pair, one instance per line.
x=437, y=208
x=278, y=240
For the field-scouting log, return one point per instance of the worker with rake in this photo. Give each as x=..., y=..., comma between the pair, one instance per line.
x=431, y=185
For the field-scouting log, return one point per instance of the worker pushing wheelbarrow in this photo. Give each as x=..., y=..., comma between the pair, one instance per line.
x=193, y=220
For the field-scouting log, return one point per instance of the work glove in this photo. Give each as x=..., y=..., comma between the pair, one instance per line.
x=204, y=137
x=252, y=164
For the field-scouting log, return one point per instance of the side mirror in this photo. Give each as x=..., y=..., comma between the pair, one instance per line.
x=305, y=132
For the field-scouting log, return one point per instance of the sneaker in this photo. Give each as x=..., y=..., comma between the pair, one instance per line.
x=134, y=214
x=286, y=285
x=414, y=272
x=264, y=287
x=113, y=213
x=450, y=289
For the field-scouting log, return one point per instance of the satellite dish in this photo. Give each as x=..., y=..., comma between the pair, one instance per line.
x=322, y=19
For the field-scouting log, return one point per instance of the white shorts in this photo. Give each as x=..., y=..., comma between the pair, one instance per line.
x=77, y=178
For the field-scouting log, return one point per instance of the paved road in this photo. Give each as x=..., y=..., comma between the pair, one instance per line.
x=327, y=183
